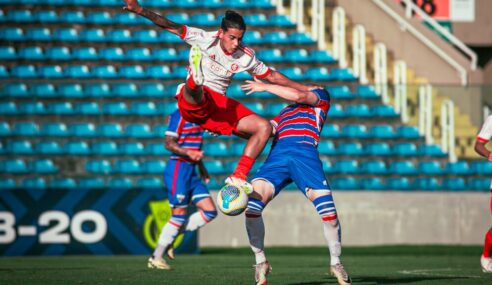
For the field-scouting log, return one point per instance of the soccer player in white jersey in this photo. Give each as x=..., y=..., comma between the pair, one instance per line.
x=483, y=137
x=214, y=58
x=294, y=158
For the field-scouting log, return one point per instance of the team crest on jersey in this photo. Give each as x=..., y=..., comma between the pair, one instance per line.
x=234, y=67
x=212, y=56
x=180, y=197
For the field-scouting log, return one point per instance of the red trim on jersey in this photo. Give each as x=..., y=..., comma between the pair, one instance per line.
x=329, y=218
x=183, y=34
x=175, y=177
x=246, y=50
x=304, y=132
x=264, y=74
x=482, y=140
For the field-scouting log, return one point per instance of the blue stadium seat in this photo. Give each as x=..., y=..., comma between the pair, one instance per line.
x=398, y=183
x=25, y=129
x=382, y=132
x=347, y=166
x=32, y=108
x=24, y=71
x=127, y=166
x=253, y=37
x=33, y=183
x=403, y=167
x=355, y=131
x=105, y=148
x=215, y=167
x=50, y=71
x=77, y=71
x=372, y=183
x=358, y=111
x=157, y=149
x=132, y=72
x=8, y=108
x=58, y=53
x=54, y=130
x=243, y=76
x=256, y=107
x=12, y=34
x=138, y=130
x=104, y=71
x=115, y=108
x=458, y=168
x=280, y=20
x=77, y=148
x=7, y=53
x=160, y=130
x=154, y=166
x=69, y=35
x=212, y=4
x=14, y=166
x=75, y=17
x=374, y=167
x=350, y=149
x=322, y=56
x=179, y=17
x=112, y=130
x=235, y=91
x=49, y=148
x=430, y=167
x=318, y=74
x=205, y=19
x=43, y=90
x=481, y=167
x=139, y=54
x=366, y=92
x=91, y=183
x=336, y=111
x=273, y=109
x=63, y=183
x=301, y=38
x=378, y=149
x=20, y=147
x=87, y=108
x=339, y=92
x=342, y=74
x=61, y=108
x=132, y=148
x=296, y=55
x=345, y=183
x=85, y=53
x=145, y=36
x=179, y=72
x=237, y=148
x=405, y=149
x=71, y=90
x=240, y=4
x=431, y=150
x=3, y=72
x=275, y=38
x=44, y=166
x=384, y=111
x=15, y=90
x=47, y=16
x=20, y=16
x=256, y=19
x=93, y=35
x=125, y=89
x=98, y=90
x=7, y=183
x=183, y=54
x=121, y=183
x=39, y=34
x=31, y=53
x=408, y=132
x=98, y=166
x=271, y=55
x=83, y=130
x=425, y=183
x=150, y=183
x=144, y=109
x=482, y=184
x=454, y=184
x=328, y=167
x=219, y=149
x=128, y=19
x=4, y=129
x=99, y=18
x=152, y=90
x=294, y=73
x=159, y=72
x=166, y=108
x=164, y=54
x=326, y=147
x=331, y=131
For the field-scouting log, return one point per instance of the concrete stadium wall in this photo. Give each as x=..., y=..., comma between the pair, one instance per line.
x=367, y=218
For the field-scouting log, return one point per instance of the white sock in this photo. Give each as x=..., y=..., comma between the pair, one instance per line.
x=195, y=221
x=256, y=234
x=332, y=233
x=167, y=236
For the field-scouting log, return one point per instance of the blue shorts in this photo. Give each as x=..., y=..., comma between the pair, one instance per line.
x=183, y=184
x=293, y=163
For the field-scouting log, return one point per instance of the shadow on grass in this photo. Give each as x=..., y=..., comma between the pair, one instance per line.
x=373, y=280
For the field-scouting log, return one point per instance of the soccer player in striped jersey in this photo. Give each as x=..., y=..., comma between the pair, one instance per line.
x=483, y=138
x=294, y=158
x=184, y=140
x=214, y=59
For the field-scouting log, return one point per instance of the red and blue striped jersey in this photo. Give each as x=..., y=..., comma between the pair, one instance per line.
x=189, y=135
x=299, y=123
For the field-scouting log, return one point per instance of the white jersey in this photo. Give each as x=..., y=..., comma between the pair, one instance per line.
x=485, y=134
x=218, y=67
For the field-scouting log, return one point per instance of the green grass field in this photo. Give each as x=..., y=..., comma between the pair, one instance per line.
x=291, y=266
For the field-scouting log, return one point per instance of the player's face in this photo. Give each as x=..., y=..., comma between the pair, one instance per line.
x=230, y=39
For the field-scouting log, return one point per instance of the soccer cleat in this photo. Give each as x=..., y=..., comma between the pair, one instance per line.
x=261, y=272
x=169, y=251
x=157, y=264
x=486, y=263
x=196, y=65
x=339, y=272
x=241, y=184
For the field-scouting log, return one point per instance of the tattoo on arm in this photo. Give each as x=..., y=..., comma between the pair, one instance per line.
x=162, y=21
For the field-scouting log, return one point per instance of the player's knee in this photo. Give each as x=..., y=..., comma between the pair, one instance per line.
x=255, y=208
x=209, y=215
x=326, y=209
x=264, y=127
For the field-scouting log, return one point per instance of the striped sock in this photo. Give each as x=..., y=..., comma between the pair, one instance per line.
x=168, y=234
x=199, y=219
x=331, y=227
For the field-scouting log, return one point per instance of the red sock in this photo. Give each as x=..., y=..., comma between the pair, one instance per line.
x=487, y=248
x=243, y=167
x=191, y=83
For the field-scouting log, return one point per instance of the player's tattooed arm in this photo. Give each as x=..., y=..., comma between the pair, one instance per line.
x=161, y=21
x=482, y=150
x=172, y=145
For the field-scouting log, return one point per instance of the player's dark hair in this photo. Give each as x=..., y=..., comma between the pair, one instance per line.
x=232, y=20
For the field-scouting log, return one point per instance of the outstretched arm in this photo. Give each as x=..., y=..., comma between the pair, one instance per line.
x=161, y=21
x=278, y=78
x=482, y=150
x=301, y=96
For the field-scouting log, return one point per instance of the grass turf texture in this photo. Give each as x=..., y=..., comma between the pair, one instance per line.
x=291, y=266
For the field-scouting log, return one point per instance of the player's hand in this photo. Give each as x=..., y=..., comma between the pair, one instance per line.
x=253, y=86
x=133, y=6
x=195, y=155
x=205, y=177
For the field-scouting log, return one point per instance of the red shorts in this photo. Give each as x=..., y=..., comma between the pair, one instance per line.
x=217, y=113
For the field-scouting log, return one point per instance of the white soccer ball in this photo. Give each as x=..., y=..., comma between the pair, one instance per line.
x=231, y=200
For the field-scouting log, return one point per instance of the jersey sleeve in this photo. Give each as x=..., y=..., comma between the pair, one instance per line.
x=173, y=128
x=323, y=98
x=256, y=67
x=196, y=36
x=486, y=132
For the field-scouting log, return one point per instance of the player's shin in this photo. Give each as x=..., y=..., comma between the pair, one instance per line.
x=168, y=234
x=256, y=228
x=331, y=227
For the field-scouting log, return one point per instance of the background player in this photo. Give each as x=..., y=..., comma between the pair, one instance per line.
x=483, y=137
x=294, y=158
x=214, y=58
x=184, y=140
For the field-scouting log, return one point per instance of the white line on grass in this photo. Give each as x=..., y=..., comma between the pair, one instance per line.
x=436, y=272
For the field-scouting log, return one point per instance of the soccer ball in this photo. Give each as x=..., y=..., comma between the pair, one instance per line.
x=231, y=200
